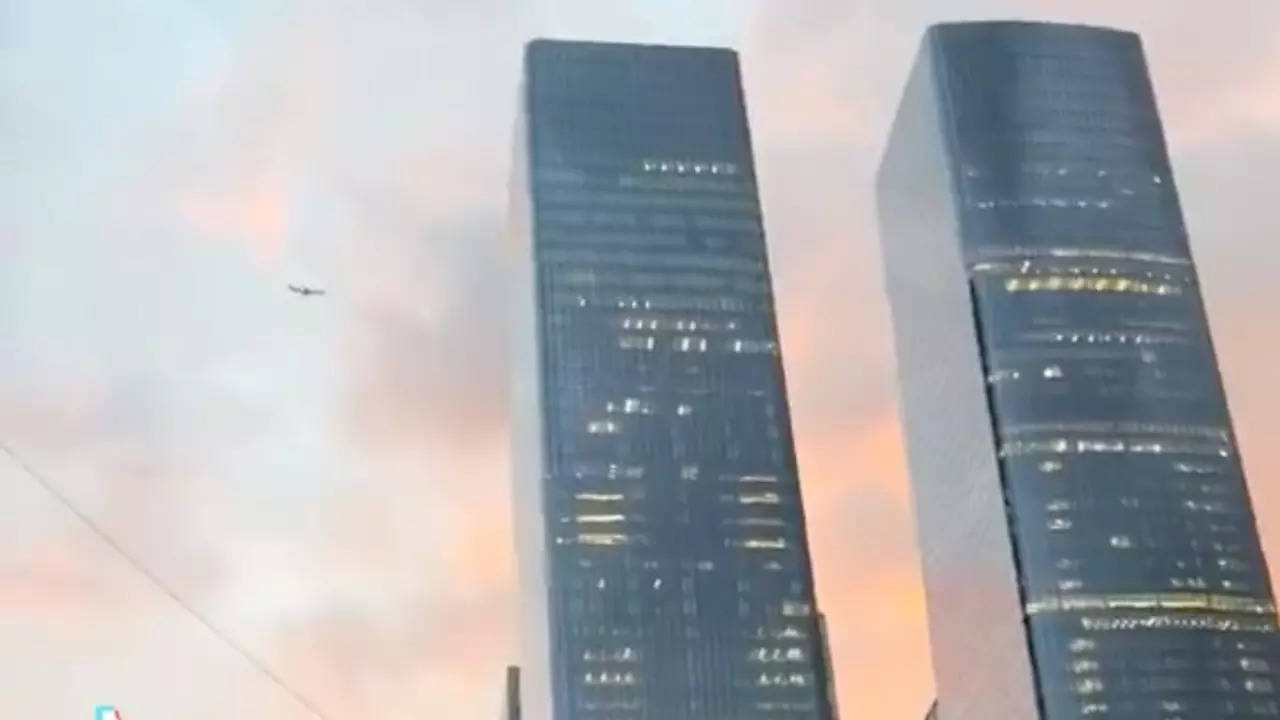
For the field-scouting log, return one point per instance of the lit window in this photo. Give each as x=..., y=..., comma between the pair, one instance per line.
x=599, y=497
x=1059, y=524
x=1089, y=686
x=602, y=539
x=765, y=543
x=636, y=342
x=690, y=344
x=603, y=427
x=684, y=409
x=1082, y=666
x=791, y=608
x=598, y=519
x=1121, y=541
x=753, y=346
x=1053, y=372
x=633, y=406
x=766, y=498
x=1257, y=685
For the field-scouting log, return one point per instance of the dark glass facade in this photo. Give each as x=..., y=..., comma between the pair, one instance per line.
x=1142, y=585
x=662, y=535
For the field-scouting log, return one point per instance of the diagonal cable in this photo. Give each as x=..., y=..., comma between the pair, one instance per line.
x=142, y=569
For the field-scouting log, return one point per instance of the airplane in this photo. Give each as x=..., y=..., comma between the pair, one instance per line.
x=305, y=291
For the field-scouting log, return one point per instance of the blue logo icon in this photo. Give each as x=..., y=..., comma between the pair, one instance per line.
x=106, y=712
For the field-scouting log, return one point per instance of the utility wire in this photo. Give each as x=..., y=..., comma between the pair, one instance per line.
x=138, y=566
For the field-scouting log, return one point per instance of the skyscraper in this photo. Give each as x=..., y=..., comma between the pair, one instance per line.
x=661, y=535
x=1088, y=543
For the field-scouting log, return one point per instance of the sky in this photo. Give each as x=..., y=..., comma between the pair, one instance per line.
x=213, y=491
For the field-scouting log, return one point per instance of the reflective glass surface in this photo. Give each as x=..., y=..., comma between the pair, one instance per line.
x=677, y=570
x=1142, y=579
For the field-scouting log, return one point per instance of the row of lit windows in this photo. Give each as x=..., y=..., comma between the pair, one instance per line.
x=679, y=301
x=683, y=167
x=698, y=344
x=606, y=678
x=756, y=521
x=600, y=519
x=1064, y=283
x=792, y=608
x=603, y=539
x=785, y=707
x=610, y=470
x=630, y=406
x=1216, y=507
x=1057, y=170
x=1061, y=446
x=1093, y=685
x=624, y=654
x=776, y=655
x=775, y=543
x=1206, y=431
x=1027, y=269
x=1089, y=252
x=599, y=497
x=1101, y=337
x=677, y=324
x=1168, y=601
x=1265, y=709
x=1057, y=202
x=782, y=680
x=1179, y=622
x=786, y=632
x=750, y=478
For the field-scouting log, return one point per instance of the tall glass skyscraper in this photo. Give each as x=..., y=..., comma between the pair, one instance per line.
x=662, y=540
x=1089, y=546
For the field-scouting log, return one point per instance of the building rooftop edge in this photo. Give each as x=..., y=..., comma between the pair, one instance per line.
x=545, y=41
x=942, y=26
